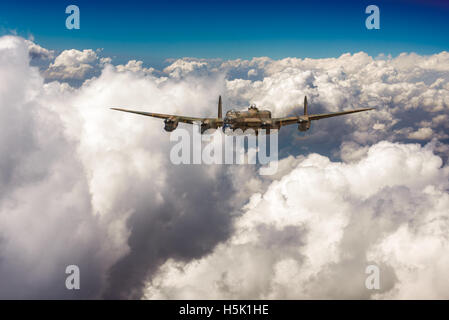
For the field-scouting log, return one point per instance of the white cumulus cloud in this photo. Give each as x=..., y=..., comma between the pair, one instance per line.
x=72, y=64
x=82, y=184
x=314, y=231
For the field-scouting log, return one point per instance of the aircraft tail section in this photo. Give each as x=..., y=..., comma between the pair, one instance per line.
x=305, y=106
x=219, y=108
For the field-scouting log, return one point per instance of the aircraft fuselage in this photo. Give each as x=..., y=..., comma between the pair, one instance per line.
x=253, y=118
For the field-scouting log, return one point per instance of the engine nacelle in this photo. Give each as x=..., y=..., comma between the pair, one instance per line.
x=303, y=125
x=204, y=127
x=208, y=124
x=170, y=124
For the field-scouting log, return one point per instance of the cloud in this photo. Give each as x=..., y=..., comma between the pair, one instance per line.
x=421, y=134
x=134, y=66
x=72, y=64
x=127, y=209
x=312, y=233
x=183, y=67
x=86, y=185
x=46, y=218
x=407, y=91
x=37, y=52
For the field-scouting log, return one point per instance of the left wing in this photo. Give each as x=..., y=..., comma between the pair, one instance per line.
x=292, y=120
x=329, y=115
x=183, y=119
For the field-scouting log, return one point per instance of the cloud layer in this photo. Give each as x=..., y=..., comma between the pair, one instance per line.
x=81, y=184
x=314, y=231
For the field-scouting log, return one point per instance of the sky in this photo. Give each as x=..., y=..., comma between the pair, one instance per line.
x=154, y=31
x=84, y=185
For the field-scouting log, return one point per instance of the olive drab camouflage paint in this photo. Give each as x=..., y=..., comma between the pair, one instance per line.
x=253, y=118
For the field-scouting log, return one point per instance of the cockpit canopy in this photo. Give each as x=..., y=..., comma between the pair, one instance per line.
x=237, y=113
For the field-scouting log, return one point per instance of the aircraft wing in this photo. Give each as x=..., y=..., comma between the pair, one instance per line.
x=286, y=120
x=329, y=115
x=183, y=119
x=292, y=120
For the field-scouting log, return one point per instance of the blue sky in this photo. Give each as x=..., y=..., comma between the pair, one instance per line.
x=155, y=31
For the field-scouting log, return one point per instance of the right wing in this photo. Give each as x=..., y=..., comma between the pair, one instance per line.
x=183, y=119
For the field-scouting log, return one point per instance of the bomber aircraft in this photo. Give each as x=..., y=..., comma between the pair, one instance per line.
x=253, y=118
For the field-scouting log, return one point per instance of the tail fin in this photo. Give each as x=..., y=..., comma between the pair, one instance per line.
x=305, y=106
x=219, y=107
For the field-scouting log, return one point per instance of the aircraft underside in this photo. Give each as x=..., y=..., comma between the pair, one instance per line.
x=253, y=127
